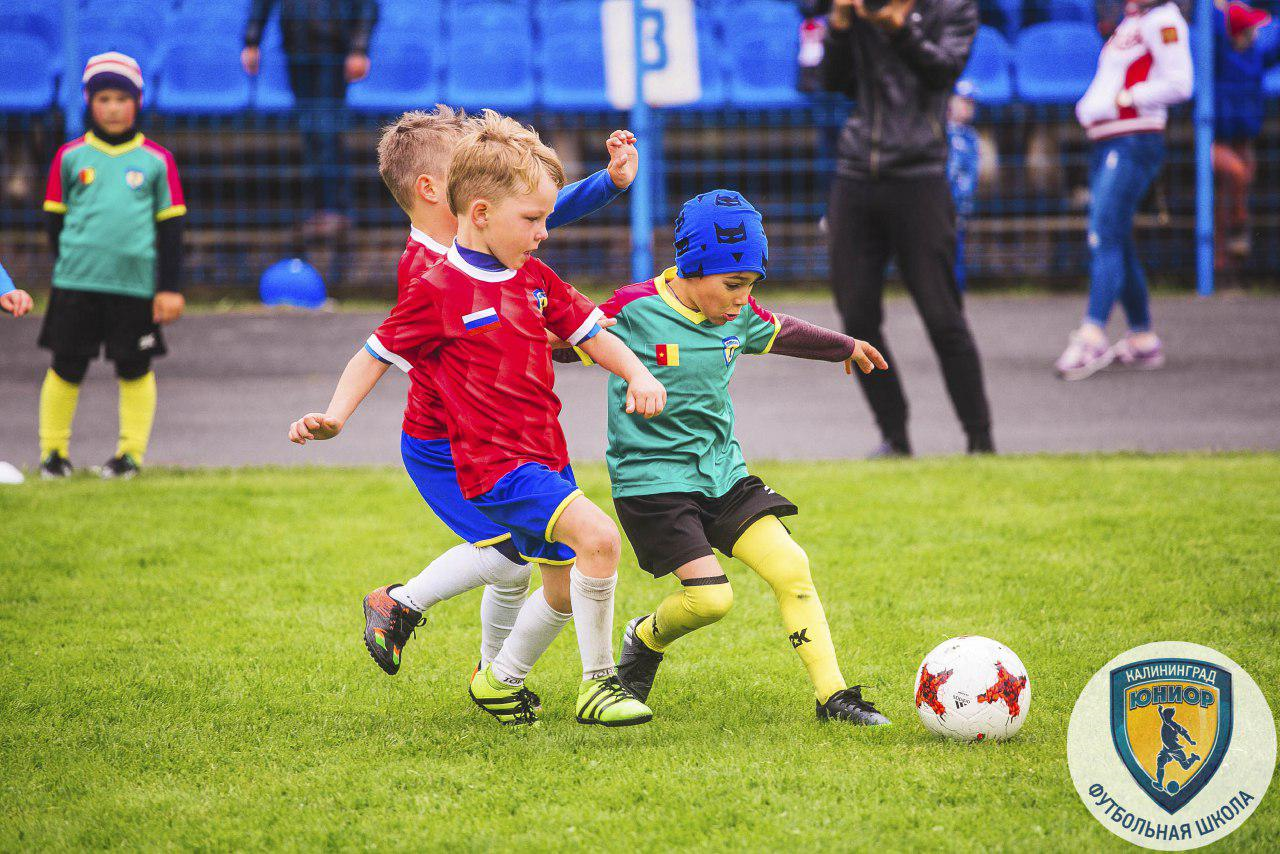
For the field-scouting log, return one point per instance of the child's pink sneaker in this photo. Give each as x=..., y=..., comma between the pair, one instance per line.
x=1083, y=357
x=1128, y=355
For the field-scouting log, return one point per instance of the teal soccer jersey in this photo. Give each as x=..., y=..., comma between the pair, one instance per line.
x=112, y=197
x=690, y=447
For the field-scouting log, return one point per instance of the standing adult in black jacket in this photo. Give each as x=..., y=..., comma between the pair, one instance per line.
x=890, y=198
x=327, y=45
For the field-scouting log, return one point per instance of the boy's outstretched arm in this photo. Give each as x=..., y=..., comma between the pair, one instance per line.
x=358, y=379
x=645, y=395
x=595, y=191
x=805, y=340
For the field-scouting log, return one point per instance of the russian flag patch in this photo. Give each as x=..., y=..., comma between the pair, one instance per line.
x=667, y=354
x=480, y=321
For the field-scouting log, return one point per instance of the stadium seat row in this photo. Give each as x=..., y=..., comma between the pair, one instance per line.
x=507, y=54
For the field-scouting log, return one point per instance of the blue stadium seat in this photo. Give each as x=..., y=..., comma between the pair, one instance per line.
x=762, y=40
x=1072, y=10
x=27, y=71
x=270, y=91
x=1053, y=63
x=39, y=18
x=488, y=58
x=570, y=56
x=989, y=68
x=1271, y=82
x=711, y=62
x=403, y=73
x=1012, y=11
x=202, y=75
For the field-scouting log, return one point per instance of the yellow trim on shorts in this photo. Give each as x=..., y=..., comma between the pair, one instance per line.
x=548, y=562
x=482, y=543
x=555, y=517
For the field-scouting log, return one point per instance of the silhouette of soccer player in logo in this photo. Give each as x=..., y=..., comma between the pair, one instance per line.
x=1169, y=732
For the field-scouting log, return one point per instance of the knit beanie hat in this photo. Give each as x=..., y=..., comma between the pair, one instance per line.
x=720, y=232
x=112, y=71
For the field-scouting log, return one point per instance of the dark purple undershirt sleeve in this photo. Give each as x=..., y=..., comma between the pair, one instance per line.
x=804, y=340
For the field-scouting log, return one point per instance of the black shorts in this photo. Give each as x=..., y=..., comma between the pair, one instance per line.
x=669, y=529
x=79, y=323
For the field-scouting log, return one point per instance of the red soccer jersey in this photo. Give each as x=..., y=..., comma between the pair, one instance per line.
x=424, y=408
x=482, y=335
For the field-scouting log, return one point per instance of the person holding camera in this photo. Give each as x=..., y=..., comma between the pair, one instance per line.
x=900, y=59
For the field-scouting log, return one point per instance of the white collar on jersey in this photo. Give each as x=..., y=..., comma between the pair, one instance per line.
x=422, y=237
x=456, y=259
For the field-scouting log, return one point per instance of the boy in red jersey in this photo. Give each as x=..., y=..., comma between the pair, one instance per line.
x=478, y=323
x=413, y=160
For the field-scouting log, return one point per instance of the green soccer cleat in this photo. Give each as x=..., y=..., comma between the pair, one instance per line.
x=535, y=702
x=508, y=703
x=604, y=701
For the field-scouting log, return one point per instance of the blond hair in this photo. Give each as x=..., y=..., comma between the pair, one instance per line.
x=418, y=143
x=498, y=158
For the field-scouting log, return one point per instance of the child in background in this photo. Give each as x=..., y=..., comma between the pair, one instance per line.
x=962, y=165
x=114, y=207
x=13, y=300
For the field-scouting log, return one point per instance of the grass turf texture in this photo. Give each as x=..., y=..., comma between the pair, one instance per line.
x=184, y=667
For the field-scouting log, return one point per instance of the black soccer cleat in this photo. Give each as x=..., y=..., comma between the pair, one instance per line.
x=638, y=664
x=533, y=700
x=848, y=705
x=388, y=625
x=55, y=467
x=122, y=467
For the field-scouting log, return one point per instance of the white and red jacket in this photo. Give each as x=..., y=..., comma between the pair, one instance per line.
x=1149, y=58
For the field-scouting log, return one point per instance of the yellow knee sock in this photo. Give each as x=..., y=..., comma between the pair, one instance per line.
x=768, y=549
x=137, y=412
x=58, y=399
x=699, y=602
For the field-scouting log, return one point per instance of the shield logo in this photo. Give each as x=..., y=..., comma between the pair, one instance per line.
x=134, y=178
x=731, y=345
x=1171, y=721
x=540, y=299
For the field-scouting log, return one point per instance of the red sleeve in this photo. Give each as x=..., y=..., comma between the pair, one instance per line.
x=569, y=314
x=54, y=195
x=413, y=330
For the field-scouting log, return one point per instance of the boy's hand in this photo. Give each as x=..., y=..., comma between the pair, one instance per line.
x=645, y=395
x=867, y=357
x=167, y=306
x=315, y=425
x=624, y=160
x=16, y=302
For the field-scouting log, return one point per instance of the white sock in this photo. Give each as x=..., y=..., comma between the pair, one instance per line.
x=592, y=600
x=463, y=567
x=536, y=627
x=499, y=608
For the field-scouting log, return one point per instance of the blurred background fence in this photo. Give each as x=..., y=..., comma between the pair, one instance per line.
x=245, y=146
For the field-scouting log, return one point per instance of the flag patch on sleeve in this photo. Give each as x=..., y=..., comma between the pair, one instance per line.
x=1169, y=35
x=667, y=354
x=484, y=320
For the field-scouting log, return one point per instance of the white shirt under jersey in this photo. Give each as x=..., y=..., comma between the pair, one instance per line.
x=1149, y=56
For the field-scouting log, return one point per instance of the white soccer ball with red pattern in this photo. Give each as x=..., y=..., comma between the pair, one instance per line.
x=972, y=689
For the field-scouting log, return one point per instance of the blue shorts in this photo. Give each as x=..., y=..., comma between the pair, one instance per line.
x=430, y=466
x=528, y=503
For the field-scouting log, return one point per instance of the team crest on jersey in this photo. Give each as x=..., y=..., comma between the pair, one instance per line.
x=87, y=175
x=540, y=299
x=134, y=178
x=1171, y=721
x=731, y=345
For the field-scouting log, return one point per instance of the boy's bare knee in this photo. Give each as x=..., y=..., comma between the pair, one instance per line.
x=602, y=541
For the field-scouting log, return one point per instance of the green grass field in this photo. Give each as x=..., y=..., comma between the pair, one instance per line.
x=183, y=665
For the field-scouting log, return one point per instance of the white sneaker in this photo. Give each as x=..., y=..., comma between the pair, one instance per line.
x=1083, y=357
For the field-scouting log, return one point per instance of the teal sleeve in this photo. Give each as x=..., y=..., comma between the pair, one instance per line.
x=762, y=329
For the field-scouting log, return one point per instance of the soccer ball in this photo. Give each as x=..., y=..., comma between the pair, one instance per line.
x=972, y=689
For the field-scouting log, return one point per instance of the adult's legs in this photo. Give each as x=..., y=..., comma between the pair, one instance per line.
x=1147, y=155
x=921, y=217
x=859, y=252
x=1122, y=171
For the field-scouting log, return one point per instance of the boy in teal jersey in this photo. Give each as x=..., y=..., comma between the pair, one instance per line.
x=680, y=484
x=114, y=205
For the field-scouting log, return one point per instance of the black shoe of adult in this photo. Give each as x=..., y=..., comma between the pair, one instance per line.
x=981, y=443
x=848, y=705
x=638, y=664
x=55, y=467
x=889, y=451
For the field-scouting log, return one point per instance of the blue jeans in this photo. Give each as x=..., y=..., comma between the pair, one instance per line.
x=1123, y=168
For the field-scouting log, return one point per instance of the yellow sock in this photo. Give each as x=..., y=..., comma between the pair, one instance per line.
x=137, y=412
x=768, y=549
x=58, y=399
x=699, y=602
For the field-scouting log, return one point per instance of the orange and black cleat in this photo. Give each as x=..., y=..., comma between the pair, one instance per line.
x=388, y=625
